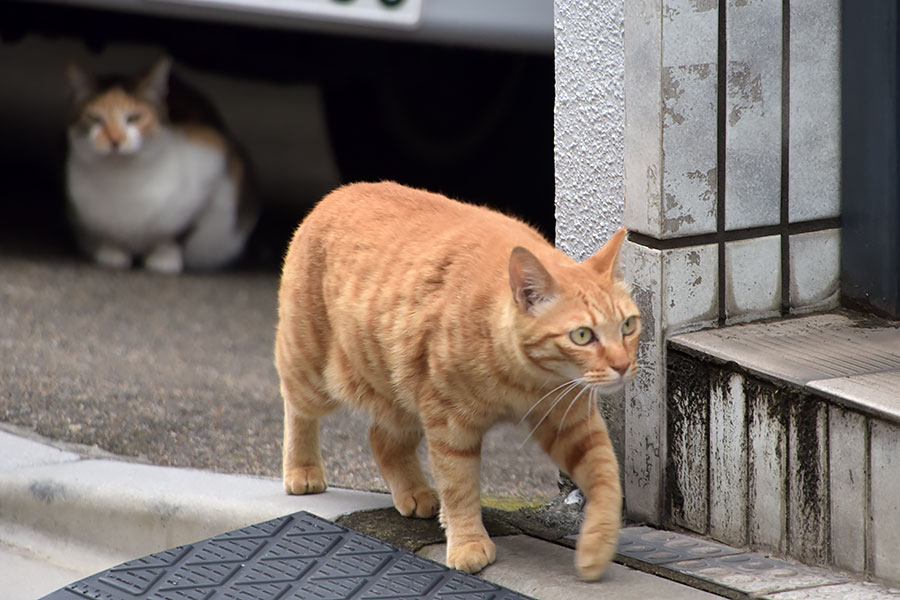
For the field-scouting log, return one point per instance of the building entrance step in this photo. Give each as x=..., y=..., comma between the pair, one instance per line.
x=851, y=359
x=784, y=437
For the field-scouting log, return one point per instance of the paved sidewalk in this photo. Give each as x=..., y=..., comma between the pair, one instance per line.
x=67, y=513
x=179, y=371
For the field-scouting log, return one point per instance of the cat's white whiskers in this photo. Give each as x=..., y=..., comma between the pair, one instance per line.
x=556, y=402
x=571, y=404
x=571, y=383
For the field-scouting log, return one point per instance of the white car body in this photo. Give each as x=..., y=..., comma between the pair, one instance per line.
x=524, y=25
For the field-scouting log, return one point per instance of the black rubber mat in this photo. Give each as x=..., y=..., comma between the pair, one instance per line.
x=300, y=556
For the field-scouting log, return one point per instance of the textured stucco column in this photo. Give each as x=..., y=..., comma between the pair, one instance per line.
x=589, y=148
x=589, y=123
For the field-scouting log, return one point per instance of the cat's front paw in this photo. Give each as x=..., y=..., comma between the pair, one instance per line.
x=112, y=257
x=422, y=503
x=471, y=556
x=304, y=480
x=166, y=258
x=593, y=555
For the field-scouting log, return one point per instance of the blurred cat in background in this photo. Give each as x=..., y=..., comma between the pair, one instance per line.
x=152, y=175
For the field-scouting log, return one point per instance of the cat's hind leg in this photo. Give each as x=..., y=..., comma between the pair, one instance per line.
x=455, y=451
x=394, y=441
x=303, y=471
x=220, y=232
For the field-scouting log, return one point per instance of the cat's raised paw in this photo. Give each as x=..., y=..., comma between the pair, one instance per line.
x=591, y=565
x=471, y=557
x=304, y=480
x=422, y=503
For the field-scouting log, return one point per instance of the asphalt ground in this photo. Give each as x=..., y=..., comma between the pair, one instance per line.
x=178, y=371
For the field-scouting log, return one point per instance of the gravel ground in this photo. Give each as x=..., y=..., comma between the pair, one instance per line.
x=178, y=371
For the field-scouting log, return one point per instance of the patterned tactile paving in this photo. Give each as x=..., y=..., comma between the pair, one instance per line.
x=297, y=557
x=660, y=547
x=727, y=570
x=755, y=574
x=857, y=590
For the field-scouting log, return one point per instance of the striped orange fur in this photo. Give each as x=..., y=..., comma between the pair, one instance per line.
x=443, y=319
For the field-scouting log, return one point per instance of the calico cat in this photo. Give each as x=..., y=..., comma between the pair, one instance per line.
x=442, y=319
x=152, y=175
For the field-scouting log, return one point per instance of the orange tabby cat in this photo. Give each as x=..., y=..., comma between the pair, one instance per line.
x=442, y=319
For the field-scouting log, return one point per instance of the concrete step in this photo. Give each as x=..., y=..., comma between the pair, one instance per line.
x=67, y=514
x=785, y=437
x=29, y=574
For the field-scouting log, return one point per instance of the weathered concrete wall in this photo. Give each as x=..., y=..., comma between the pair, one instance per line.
x=710, y=129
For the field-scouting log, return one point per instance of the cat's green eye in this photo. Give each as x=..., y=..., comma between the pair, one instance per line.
x=94, y=118
x=581, y=336
x=629, y=325
x=133, y=118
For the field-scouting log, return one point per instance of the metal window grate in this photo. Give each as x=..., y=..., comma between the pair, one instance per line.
x=299, y=556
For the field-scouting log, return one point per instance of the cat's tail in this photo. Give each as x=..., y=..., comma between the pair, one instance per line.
x=221, y=230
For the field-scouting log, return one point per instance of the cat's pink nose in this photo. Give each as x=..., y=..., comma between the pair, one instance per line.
x=621, y=368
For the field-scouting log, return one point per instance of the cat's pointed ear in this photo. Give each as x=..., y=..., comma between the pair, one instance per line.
x=81, y=84
x=604, y=261
x=154, y=86
x=531, y=284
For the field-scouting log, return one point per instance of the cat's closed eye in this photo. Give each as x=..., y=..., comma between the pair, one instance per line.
x=94, y=118
x=134, y=117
